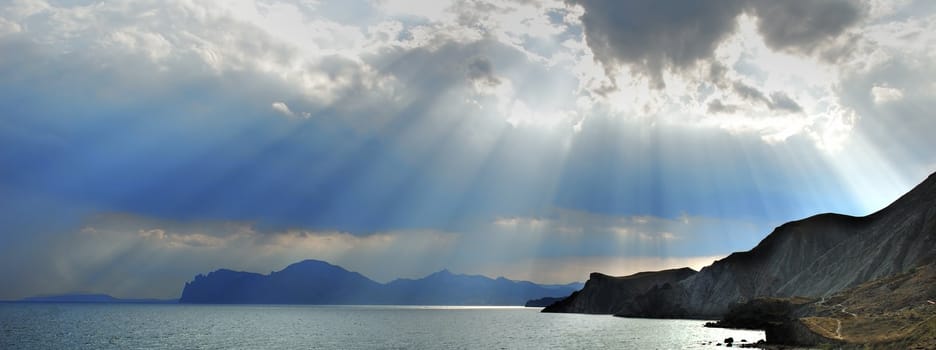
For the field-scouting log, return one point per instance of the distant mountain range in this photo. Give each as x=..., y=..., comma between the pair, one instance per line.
x=318, y=282
x=92, y=298
x=814, y=258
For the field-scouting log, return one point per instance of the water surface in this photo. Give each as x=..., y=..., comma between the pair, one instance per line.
x=125, y=326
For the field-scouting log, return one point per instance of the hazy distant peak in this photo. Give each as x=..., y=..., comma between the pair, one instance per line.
x=310, y=263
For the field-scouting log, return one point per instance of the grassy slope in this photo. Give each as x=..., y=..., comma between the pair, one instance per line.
x=892, y=312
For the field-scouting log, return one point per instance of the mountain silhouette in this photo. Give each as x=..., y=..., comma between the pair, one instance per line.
x=318, y=282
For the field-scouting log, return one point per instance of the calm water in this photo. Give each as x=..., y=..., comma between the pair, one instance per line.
x=103, y=326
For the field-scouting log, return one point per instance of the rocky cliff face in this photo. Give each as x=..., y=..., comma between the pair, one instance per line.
x=814, y=257
x=605, y=294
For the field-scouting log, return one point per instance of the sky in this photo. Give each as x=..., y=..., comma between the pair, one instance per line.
x=143, y=142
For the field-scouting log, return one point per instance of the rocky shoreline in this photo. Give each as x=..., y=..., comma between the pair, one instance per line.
x=894, y=312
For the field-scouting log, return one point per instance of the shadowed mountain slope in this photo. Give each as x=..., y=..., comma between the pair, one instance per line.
x=813, y=257
x=605, y=294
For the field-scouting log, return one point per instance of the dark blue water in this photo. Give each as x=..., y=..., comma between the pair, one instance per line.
x=116, y=326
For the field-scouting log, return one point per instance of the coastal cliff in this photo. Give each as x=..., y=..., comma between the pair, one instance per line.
x=800, y=263
x=814, y=257
x=605, y=294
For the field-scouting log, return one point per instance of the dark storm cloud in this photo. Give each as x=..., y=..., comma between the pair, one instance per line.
x=717, y=106
x=481, y=69
x=780, y=101
x=749, y=93
x=717, y=75
x=651, y=36
x=804, y=25
x=654, y=36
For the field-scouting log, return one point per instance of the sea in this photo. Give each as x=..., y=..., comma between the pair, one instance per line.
x=177, y=326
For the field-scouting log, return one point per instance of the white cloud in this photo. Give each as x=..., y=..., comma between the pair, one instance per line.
x=583, y=233
x=884, y=94
x=882, y=8
x=150, y=44
x=331, y=64
x=522, y=223
x=8, y=27
x=436, y=10
x=283, y=109
x=298, y=25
